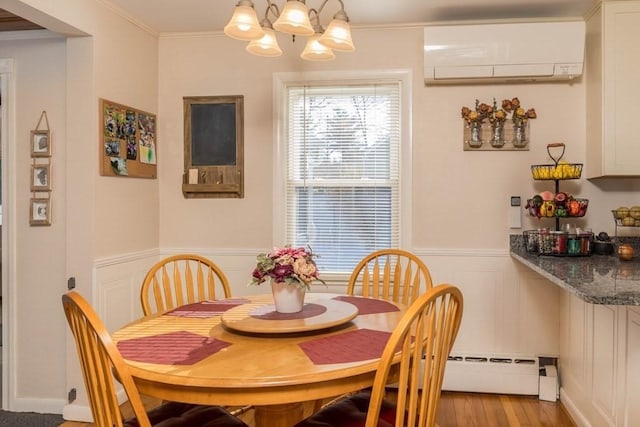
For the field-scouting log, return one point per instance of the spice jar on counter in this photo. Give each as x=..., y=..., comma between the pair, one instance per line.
x=559, y=242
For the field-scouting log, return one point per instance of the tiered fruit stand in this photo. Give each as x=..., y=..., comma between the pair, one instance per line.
x=562, y=205
x=558, y=205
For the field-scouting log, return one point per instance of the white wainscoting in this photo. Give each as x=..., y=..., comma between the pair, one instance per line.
x=508, y=310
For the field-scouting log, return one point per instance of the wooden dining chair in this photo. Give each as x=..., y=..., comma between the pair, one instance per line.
x=182, y=279
x=101, y=363
x=391, y=274
x=415, y=357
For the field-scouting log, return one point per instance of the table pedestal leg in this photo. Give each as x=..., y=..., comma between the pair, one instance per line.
x=284, y=415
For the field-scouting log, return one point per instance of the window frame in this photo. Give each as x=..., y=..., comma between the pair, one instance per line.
x=281, y=82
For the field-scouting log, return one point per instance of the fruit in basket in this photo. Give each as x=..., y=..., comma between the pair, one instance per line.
x=533, y=206
x=622, y=212
x=635, y=212
x=573, y=207
x=628, y=221
x=557, y=172
x=561, y=211
x=563, y=170
x=583, y=203
x=535, y=172
x=547, y=195
x=548, y=208
x=560, y=198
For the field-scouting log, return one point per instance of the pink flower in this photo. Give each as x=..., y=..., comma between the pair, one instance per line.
x=294, y=266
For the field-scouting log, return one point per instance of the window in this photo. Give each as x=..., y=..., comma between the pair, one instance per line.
x=341, y=169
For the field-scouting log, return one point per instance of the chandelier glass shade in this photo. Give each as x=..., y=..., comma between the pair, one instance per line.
x=296, y=20
x=266, y=45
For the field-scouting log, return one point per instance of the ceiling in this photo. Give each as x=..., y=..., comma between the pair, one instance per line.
x=212, y=15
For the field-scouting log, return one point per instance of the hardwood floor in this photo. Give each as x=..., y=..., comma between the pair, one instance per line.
x=470, y=410
x=481, y=410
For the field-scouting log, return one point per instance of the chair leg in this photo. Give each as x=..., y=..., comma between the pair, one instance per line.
x=317, y=405
x=239, y=411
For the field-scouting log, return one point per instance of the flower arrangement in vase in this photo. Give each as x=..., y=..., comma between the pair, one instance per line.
x=474, y=119
x=497, y=118
x=291, y=272
x=520, y=118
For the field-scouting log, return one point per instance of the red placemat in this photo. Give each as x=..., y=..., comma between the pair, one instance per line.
x=352, y=346
x=173, y=348
x=268, y=312
x=369, y=305
x=207, y=308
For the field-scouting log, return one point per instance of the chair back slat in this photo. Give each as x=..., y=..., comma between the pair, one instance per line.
x=423, y=338
x=390, y=274
x=211, y=284
x=185, y=279
x=100, y=360
x=176, y=285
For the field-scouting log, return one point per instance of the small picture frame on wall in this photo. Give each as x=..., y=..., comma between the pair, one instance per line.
x=40, y=143
x=40, y=211
x=41, y=177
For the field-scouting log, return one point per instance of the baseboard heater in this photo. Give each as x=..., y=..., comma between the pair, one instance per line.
x=492, y=374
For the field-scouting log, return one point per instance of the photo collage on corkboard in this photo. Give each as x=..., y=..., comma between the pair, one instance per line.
x=128, y=142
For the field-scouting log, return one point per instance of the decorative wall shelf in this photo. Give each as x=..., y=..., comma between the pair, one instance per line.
x=482, y=138
x=213, y=147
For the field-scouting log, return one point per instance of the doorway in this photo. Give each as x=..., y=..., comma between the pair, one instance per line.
x=2, y=151
x=6, y=153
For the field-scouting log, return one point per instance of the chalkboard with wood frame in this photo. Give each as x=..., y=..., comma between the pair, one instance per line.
x=213, y=147
x=128, y=141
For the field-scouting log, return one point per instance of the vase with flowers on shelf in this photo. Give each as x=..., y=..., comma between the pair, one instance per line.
x=520, y=118
x=290, y=272
x=497, y=118
x=474, y=120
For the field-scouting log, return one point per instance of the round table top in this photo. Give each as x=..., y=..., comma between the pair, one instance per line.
x=190, y=356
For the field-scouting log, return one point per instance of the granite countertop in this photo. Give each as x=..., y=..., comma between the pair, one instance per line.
x=596, y=279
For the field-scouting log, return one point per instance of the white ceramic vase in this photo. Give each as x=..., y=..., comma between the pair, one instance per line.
x=287, y=298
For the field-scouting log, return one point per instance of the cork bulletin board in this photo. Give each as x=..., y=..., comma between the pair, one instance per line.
x=128, y=143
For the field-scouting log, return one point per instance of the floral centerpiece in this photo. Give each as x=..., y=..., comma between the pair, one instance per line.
x=293, y=266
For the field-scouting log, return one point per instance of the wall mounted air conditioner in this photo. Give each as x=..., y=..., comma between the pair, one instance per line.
x=503, y=52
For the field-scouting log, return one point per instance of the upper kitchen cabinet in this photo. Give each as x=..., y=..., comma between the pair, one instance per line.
x=613, y=90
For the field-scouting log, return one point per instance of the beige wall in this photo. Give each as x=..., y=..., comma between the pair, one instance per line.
x=103, y=216
x=460, y=198
x=40, y=69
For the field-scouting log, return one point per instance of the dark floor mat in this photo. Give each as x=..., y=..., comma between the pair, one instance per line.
x=29, y=419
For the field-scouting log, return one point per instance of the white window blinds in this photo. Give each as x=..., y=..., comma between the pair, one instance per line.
x=343, y=171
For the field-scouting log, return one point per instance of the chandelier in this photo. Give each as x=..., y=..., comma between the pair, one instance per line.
x=295, y=19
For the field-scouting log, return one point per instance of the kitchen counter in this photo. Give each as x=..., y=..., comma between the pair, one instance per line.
x=596, y=279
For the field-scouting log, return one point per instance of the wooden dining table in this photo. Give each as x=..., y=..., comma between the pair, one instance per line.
x=240, y=351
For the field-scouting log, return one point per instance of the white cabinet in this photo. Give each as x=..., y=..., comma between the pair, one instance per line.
x=630, y=379
x=599, y=369
x=613, y=90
